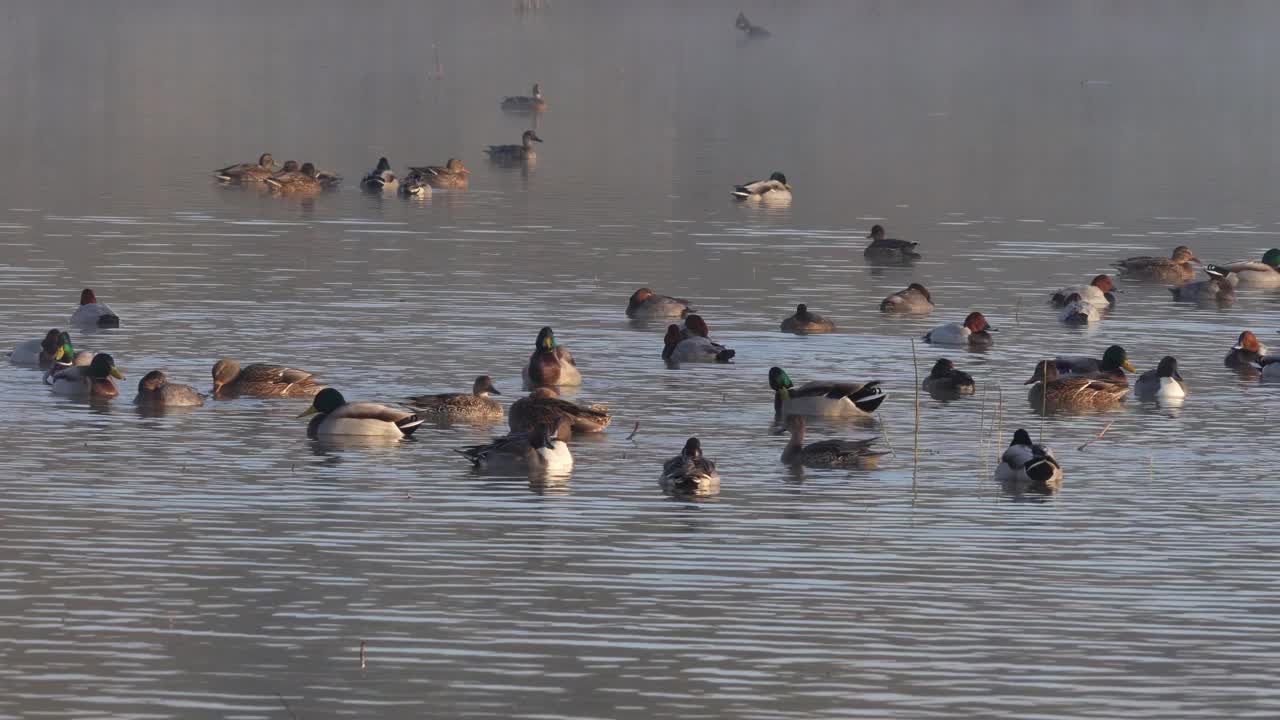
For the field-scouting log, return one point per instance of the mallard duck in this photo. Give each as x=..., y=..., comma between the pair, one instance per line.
x=335, y=416
x=155, y=390
x=532, y=103
x=1100, y=292
x=1164, y=383
x=515, y=153
x=538, y=450
x=544, y=406
x=415, y=185
x=261, y=380
x=1026, y=467
x=1077, y=311
x=1177, y=268
x=475, y=405
x=550, y=364
x=754, y=32
x=824, y=399
x=915, y=300
x=827, y=453
x=248, y=172
x=290, y=166
x=1246, y=353
x=647, y=305
x=93, y=314
x=889, y=250
x=91, y=381
x=974, y=332
x=1265, y=274
x=946, y=382
x=804, y=322
x=328, y=179
x=452, y=175
x=1050, y=392
x=1112, y=365
x=303, y=180
x=690, y=472
x=693, y=344
x=380, y=177
x=54, y=349
x=775, y=188
x=1217, y=290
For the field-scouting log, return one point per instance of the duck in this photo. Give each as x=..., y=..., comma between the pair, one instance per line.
x=1100, y=292
x=550, y=363
x=94, y=314
x=1264, y=274
x=1026, y=467
x=290, y=166
x=804, y=322
x=303, y=180
x=515, y=153
x=335, y=416
x=328, y=179
x=1177, y=268
x=645, y=304
x=475, y=405
x=1246, y=353
x=415, y=185
x=155, y=390
x=544, y=405
x=1217, y=290
x=824, y=399
x=915, y=300
x=1269, y=367
x=247, y=172
x=54, y=349
x=1164, y=383
x=537, y=450
x=754, y=32
x=1112, y=366
x=380, y=177
x=974, y=332
x=946, y=382
x=775, y=188
x=531, y=103
x=262, y=380
x=1077, y=311
x=453, y=174
x=693, y=344
x=1050, y=391
x=889, y=250
x=827, y=453
x=91, y=381
x=690, y=472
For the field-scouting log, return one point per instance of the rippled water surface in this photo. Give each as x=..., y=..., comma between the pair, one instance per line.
x=216, y=563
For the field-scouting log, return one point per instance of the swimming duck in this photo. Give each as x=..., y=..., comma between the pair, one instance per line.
x=475, y=405
x=1100, y=292
x=693, y=344
x=1217, y=290
x=1077, y=311
x=807, y=323
x=827, y=453
x=1051, y=392
x=775, y=188
x=974, y=332
x=328, y=179
x=380, y=177
x=303, y=180
x=1269, y=367
x=1177, y=268
x=550, y=363
x=690, y=472
x=915, y=300
x=290, y=166
x=335, y=416
x=248, y=172
x=532, y=103
x=1164, y=383
x=538, y=450
x=155, y=390
x=645, y=304
x=1026, y=467
x=755, y=32
x=415, y=185
x=55, y=348
x=91, y=381
x=824, y=399
x=946, y=382
x=544, y=406
x=889, y=250
x=1112, y=365
x=515, y=153
x=93, y=314
x=261, y=380
x=1246, y=353
x=1265, y=274
x=452, y=175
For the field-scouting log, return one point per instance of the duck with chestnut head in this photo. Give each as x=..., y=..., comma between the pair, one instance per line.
x=915, y=300
x=1100, y=293
x=645, y=304
x=693, y=344
x=94, y=314
x=974, y=332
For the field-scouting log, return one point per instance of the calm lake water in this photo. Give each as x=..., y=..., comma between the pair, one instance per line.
x=216, y=563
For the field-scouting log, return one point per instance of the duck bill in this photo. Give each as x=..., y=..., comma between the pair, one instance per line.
x=115, y=373
x=61, y=353
x=309, y=411
x=1128, y=366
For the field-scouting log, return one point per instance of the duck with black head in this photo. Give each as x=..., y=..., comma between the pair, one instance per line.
x=551, y=364
x=93, y=381
x=974, y=332
x=334, y=416
x=775, y=189
x=1026, y=467
x=1163, y=384
x=806, y=322
x=380, y=178
x=155, y=391
x=55, y=348
x=94, y=314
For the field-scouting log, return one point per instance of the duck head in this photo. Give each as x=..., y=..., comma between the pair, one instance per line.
x=640, y=296
x=1168, y=367
x=1114, y=358
x=289, y=166
x=51, y=345
x=697, y=326
x=977, y=323
x=1248, y=342
x=104, y=366
x=779, y=379
x=780, y=178
x=941, y=368
x=546, y=341
x=529, y=137
x=1021, y=437
x=309, y=169
x=87, y=297
x=742, y=23
x=537, y=91
x=671, y=340
x=383, y=165
x=455, y=166
x=326, y=401
x=917, y=286
x=483, y=386
x=692, y=449
x=1272, y=257
x=877, y=232
x=266, y=161
x=1046, y=372
x=1106, y=285
x=802, y=312
x=152, y=381
x=224, y=371
x=1182, y=254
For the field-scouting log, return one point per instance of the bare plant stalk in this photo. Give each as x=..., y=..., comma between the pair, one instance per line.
x=363, y=657
x=287, y=708
x=1044, y=400
x=634, y=430
x=982, y=431
x=884, y=432
x=1099, y=437
x=915, y=462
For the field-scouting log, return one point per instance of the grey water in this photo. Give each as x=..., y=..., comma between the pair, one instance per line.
x=216, y=563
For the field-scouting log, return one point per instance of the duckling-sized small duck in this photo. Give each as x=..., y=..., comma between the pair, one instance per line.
x=694, y=344
x=1216, y=291
x=889, y=250
x=515, y=153
x=550, y=364
x=1077, y=311
x=1100, y=292
x=261, y=380
x=525, y=104
x=155, y=391
x=824, y=399
x=690, y=472
x=828, y=453
x=1177, y=268
x=915, y=300
x=1164, y=383
x=475, y=405
x=974, y=332
x=544, y=406
x=248, y=172
x=91, y=381
x=453, y=175
x=1050, y=391
x=1026, y=467
x=335, y=416
x=754, y=32
x=380, y=178
x=1112, y=366
x=303, y=180
x=93, y=314
x=945, y=382
x=645, y=304
x=535, y=451
x=775, y=188
x=54, y=349
x=1246, y=353
x=1248, y=273
x=804, y=322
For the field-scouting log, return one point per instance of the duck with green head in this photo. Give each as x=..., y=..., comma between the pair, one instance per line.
x=1251, y=273
x=1112, y=366
x=334, y=416
x=1051, y=392
x=776, y=188
x=53, y=350
x=1026, y=467
x=92, y=381
x=824, y=399
x=550, y=364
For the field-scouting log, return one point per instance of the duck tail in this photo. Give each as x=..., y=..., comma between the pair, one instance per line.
x=1041, y=470
x=409, y=424
x=273, y=183
x=108, y=321
x=725, y=355
x=869, y=397
x=741, y=192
